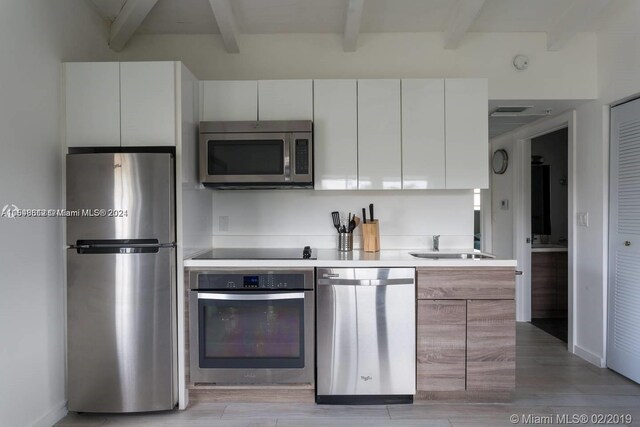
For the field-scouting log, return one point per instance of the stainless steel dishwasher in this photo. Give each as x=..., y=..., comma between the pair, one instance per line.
x=366, y=335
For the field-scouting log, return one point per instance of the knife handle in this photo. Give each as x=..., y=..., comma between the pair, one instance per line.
x=364, y=216
x=371, y=217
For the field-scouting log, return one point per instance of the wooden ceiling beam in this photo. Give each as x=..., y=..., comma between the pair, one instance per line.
x=226, y=23
x=580, y=14
x=460, y=20
x=128, y=21
x=352, y=25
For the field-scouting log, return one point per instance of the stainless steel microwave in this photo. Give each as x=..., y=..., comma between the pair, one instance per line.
x=245, y=154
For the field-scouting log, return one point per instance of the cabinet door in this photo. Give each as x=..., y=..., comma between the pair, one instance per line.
x=467, y=133
x=285, y=100
x=229, y=100
x=335, y=127
x=92, y=104
x=423, y=144
x=543, y=284
x=491, y=345
x=441, y=345
x=379, y=148
x=148, y=103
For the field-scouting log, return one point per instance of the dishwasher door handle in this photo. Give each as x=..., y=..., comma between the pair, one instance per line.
x=366, y=282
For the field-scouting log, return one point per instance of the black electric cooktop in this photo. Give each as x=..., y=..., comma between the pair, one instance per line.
x=259, y=253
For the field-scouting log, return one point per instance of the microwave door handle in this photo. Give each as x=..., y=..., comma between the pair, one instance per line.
x=287, y=158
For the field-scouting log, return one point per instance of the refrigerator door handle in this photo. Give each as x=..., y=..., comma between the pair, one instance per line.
x=122, y=246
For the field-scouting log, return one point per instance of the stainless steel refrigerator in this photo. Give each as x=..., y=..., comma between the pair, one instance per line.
x=121, y=279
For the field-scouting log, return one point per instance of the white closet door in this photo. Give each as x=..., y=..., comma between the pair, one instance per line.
x=623, y=338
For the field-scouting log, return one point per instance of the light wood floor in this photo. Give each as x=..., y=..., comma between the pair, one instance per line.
x=549, y=381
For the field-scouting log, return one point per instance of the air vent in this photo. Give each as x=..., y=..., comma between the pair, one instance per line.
x=512, y=109
x=519, y=111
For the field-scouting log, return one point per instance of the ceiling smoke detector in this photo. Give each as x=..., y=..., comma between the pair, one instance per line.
x=520, y=62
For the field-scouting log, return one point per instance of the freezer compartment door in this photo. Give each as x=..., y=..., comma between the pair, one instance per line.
x=366, y=340
x=120, y=196
x=120, y=331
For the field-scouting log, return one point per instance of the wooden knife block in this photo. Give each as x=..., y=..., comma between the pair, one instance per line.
x=371, y=236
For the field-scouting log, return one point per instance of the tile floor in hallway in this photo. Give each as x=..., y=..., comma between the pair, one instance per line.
x=550, y=381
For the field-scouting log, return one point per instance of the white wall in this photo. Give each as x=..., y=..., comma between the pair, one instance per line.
x=37, y=35
x=503, y=190
x=568, y=74
x=618, y=70
x=289, y=218
x=618, y=78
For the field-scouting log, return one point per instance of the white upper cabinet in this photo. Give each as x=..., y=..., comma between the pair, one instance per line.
x=467, y=133
x=92, y=101
x=148, y=103
x=285, y=100
x=379, y=130
x=224, y=100
x=423, y=137
x=335, y=127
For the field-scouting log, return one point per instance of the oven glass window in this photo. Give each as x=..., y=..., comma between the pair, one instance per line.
x=251, y=334
x=246, y=157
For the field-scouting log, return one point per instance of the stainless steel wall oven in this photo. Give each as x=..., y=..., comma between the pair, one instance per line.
x=251, y=326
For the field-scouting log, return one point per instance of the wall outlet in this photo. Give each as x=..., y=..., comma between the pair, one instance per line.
x=223, y=223
x=583, y=219
x=504, y=204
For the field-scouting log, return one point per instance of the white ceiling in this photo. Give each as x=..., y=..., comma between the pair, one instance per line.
x=328, y=16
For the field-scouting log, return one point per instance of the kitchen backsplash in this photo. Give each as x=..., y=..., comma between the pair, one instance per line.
x=408, y=219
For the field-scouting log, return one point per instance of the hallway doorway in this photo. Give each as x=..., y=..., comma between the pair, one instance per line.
x=549, y=233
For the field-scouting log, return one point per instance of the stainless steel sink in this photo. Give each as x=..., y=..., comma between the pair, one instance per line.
x=451, y=255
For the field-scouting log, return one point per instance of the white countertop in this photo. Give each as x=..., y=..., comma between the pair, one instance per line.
x=358, y=258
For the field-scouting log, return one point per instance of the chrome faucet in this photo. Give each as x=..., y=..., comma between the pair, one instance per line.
x=436, y=242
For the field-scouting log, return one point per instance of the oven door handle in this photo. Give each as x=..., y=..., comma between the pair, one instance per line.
x=252, y=297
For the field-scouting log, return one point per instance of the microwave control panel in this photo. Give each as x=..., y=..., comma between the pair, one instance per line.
x=302, y=156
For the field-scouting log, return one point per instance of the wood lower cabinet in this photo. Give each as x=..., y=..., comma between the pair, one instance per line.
x=441, y=345
x=465, y=341
x=549, y=285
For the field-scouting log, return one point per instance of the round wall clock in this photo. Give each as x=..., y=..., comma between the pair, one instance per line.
x=500, y=161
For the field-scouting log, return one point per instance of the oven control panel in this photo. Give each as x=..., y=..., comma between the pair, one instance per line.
x=258, y=281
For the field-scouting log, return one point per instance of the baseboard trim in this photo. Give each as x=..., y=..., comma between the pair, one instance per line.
x=52, y=417
x=590, y=357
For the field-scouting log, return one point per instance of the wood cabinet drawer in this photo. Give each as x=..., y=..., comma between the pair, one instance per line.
x=466, y=283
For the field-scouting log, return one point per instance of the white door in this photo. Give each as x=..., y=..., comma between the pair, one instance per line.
x=92, y=104
x=423, y=145
x=285, y=100
x=623, y=336
x=467, y=133
x=335, y=133
x=224, y=100
x=148, y=103
x=379, y=133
